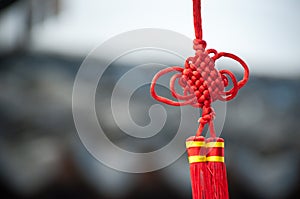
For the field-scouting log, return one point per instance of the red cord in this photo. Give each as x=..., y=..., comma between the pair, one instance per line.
x=197, y=19
x=202, y=83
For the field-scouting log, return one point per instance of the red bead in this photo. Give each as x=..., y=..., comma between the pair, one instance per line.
x=192, y=66
x=196, y=74
x=207, y=59
x=185, y=72
x=201, y=89
x=206, y=94
x=201, y=80
x=194, y=88
x=213, y=85
x=193, y=78
x=209, y=79
x=202, y=65
x=214, y=73
x=206, y=102
x=202, y=98
x=207, y=70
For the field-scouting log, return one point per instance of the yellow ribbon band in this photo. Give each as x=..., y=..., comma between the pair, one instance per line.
x=190, y=144
x=215, y=144
x=215, y=159
x=197, y=158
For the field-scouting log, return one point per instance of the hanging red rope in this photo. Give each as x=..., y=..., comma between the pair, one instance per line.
x=203, y=84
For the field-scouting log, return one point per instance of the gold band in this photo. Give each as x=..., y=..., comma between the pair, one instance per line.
x=190, y=144
x=215, y=144
x=197, y=158
x=215, y=159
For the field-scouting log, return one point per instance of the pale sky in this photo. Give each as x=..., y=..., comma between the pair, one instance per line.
x=264, y=32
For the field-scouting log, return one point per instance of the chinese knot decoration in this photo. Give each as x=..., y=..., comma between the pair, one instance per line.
x=202, y=84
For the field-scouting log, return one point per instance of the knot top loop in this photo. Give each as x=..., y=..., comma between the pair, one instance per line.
x=199, y=44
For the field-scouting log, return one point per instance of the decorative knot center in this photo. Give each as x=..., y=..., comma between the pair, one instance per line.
x=201, y=82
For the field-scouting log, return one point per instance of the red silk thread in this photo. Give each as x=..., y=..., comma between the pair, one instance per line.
x=202, y=83
x=198, y=170
x=216, y=178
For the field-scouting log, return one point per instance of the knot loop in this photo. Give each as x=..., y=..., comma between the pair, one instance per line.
x=199, y=43
x=201, y=82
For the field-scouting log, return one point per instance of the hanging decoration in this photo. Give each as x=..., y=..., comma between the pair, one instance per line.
x=203, y=84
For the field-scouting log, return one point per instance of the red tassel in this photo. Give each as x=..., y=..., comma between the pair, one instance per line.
x=217, y=187
x=196, y=153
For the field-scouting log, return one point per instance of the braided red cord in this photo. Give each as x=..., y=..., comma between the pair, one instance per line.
x=202, y=83
x=197, y=19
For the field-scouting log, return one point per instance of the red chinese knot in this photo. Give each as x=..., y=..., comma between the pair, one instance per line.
x=201, y=82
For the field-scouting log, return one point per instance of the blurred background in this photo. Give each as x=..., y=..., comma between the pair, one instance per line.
x=42, y=45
